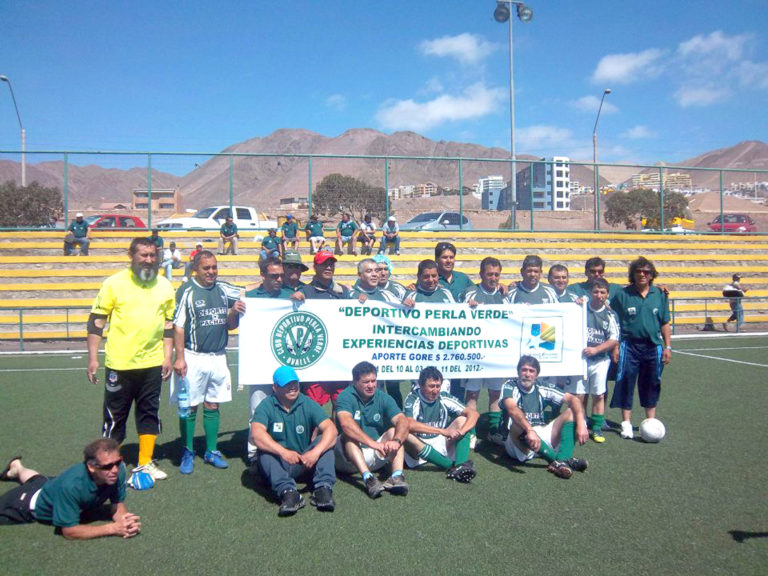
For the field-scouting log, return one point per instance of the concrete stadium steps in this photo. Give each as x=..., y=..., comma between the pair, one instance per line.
x=38, y=280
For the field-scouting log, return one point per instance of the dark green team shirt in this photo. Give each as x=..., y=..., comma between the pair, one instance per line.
x=540, y=295
x=566, y=297
x=270, y=243
x=314, y=227
x=377, y=294
x=261, y=293
x=459, y=283
x=438, y=414
x=440, y=295
x=533, y=402
x=374, y=417
x=202, y=312
x=289, y=229
x=583, y=289
x=78, y=229
x=228, y=229
x=347, y=228
x=641, y=318
x=293, y=428
x=482, y=296
x=64, y=498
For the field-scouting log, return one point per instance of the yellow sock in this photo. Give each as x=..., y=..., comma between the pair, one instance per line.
x=146, y=448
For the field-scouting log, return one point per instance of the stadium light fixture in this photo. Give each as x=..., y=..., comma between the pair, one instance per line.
x=501, y=15
x=23, y=133
x=594, y=158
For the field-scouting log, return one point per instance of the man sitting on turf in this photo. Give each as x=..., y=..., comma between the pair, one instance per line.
x=439, y=426
x=294, y=437
x=373, y=430
x=62, y=500
x=529, y=434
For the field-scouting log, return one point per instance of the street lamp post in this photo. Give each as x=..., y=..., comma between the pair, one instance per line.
x=501, y=15
x=23, y=134
x=594, y=157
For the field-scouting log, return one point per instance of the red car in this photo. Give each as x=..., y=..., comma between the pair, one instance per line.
x=733, y=223
x=114, y=222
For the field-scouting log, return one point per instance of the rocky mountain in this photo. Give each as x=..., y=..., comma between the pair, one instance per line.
x=264, y=170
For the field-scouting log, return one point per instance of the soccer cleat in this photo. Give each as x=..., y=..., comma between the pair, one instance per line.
x=577, y=464
x=140, y=479
x=463, y=472
x=152, y=469
x=374, y=487
x=597, y=436
x=215, y=459
x=187, y=462
x=626, y=430
x=396, y=485
x=290, y=502
x=560, y=469
x=322, y=499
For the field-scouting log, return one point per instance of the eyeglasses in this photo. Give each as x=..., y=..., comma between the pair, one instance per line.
x=644, y=271
x=109, y=465
x=273, y=276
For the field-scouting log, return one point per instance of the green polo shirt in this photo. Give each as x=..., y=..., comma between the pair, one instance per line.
x=259, y=292
x=347, y=228
x=228, y=229
x=78, y=229
x=64, y=498
x=314, y=227
x=641, y=318
x=270, y=243
x=293, y=428
x=459, y=284
x=289, y=229
x=375, y=416
x=582, y=289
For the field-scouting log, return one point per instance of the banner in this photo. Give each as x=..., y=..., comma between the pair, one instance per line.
x=323, y=339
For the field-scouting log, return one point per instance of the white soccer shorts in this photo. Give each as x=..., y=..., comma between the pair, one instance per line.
x=208, y=376
x=373, y=460
x=545, y=434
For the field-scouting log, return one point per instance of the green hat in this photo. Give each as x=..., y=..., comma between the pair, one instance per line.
x=292, y=257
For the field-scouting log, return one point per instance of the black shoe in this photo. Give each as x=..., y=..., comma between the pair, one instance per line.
x=290, y=502
x=560, y=469
x=322, y=499
x=463, y=472
x=577, y=464
x=4, y=473
x=374, y=487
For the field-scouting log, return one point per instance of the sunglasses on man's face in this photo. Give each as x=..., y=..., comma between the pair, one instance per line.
x=108, y=465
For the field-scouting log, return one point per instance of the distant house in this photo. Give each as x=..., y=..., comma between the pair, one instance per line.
x=163, y=200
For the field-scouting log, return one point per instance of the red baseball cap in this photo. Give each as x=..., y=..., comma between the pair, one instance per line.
x=323, y=256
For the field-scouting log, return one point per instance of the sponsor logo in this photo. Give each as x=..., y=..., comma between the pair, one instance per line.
x=299, y=339
x=112, y=385
x=543, y=338
x=277, y=427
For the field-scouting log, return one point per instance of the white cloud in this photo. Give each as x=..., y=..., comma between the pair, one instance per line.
x=467, y=48
x=476, y=101
x=638, y=132
x=628, y=68
x=687, y=96
x=716, y=44
x=535, y=139
x=432, y=86
x=752, y=74
x=591, y=104
x=336, y=101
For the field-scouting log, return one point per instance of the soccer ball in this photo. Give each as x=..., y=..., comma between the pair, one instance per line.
x=652, y=430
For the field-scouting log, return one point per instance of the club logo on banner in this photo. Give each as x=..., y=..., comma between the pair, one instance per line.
x=541, y=339
x=299, y=339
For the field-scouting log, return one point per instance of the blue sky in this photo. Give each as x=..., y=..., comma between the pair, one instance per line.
x=686, y=77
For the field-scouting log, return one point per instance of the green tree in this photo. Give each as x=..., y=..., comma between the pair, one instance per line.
x=29, y=206
x=629, y=208
x=337, y=193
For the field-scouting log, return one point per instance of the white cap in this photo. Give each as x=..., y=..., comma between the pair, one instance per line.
x=79, y=215
x=392, y=219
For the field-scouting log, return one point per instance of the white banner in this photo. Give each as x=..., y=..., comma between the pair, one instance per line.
x=323, y=339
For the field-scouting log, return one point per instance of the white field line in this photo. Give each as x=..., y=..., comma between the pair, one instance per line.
x=685, y=353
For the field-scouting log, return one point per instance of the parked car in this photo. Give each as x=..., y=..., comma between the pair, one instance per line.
x=213, y=217
x=114, y=222
x=429, y=221
x=733, y=223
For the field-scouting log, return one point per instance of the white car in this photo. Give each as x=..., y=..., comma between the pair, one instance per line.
x=213, y=217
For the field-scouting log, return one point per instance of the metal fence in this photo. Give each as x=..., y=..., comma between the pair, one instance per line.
x=555, y=194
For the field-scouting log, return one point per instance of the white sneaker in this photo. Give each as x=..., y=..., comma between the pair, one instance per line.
x=152, y=469
x=626, y=430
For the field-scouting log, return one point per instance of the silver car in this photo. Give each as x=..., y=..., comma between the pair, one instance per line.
x=429, y=221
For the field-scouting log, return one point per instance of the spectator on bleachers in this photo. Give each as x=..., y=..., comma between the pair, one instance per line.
x=228, y=235
x=77, y=235
x=391, y=235
x=188, y=265
x=289, y=232
x=155, y=237
x=171, y=260
x=735, y=292
x=271, y=245
x=367, y=235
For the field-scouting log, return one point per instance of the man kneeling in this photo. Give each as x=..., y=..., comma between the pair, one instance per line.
x=438, y=425
x=373, y=430
x=523, y=401
x=282, y=428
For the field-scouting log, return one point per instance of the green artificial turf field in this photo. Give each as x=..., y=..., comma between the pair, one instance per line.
x=693, y=504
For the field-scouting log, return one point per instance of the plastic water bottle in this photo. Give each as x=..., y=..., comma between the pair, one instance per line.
x=183, y=397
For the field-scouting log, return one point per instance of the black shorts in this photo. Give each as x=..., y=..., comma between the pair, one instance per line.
x=14, y=504
x=122, y=388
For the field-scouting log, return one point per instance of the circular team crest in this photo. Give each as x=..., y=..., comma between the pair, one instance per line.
x=299, y=339
x=299, y=429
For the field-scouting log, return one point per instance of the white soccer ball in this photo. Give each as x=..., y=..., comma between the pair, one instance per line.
x=652, y=430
